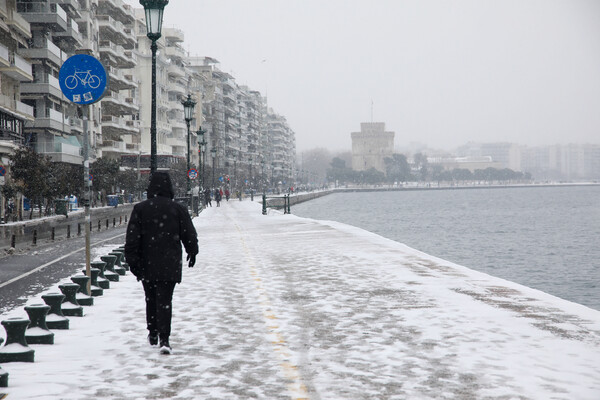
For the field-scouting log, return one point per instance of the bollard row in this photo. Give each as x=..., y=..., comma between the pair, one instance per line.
x=21, y=332
x=35, y=235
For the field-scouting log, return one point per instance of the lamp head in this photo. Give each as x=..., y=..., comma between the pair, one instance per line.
x=200, y=132
x=154, y=16
x=188, y=108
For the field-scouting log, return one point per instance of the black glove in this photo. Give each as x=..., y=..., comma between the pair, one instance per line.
x=134, y=269
x=192, y=260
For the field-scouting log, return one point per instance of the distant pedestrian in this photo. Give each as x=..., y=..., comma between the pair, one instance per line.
x=227, y=194
x=207, y=200
x=218, y=197
x=157, y=228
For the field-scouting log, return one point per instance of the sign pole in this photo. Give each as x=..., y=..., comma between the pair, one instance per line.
x=83, y=80
x=86, y=192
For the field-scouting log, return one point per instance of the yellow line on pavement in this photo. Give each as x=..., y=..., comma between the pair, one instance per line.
x=295, y=385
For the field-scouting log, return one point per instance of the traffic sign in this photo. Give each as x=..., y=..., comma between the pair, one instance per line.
x=83, y=79
x=2, y=170
x=192, y=174
x=91, y=177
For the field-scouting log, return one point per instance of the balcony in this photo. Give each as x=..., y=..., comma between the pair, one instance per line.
x=19, y=69
x=117, y=126
x=173, y=34
x=42, y=13
x=112, y=29
x=49, y=52
x=52, y=120
x=114, y=104
x=178, y=124
x=130, y=37
x=4, y=56
x=113, y=146
x=61, y=150
x=174, y=52
x=46, y=84
x=76, y=124
x=117, y=79
x=71, y=34
x=133, y=126
x=132, y=102
x=176, y=71
x=112, y=7
x=130, y=59
x=176, y=87
x=19, y=24
x=116, y=54
x=20, y=110
x=72, y=6
x=132, y=147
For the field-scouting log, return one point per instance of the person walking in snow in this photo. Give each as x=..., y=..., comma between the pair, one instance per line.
x=207, y=199
x=157, y=228
x=218, y=197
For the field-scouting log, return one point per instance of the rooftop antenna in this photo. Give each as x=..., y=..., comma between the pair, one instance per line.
x=371, y=110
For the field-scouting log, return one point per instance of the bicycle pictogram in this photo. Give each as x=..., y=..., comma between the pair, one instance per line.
x=85, y=77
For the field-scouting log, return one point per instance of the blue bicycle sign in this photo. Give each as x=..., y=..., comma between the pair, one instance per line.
x=83, y=79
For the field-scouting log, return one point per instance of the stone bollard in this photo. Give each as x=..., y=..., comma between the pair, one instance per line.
x=118, y=265
x=84, y=297
x=95, y=289
x=109, y=272
x=70, y=306
x=3, y=374
x=55, y=318
x=102, y=281
x=120, y=256
x=123, y=262
x=37, y=332
x=15, y=348
x=126, y=266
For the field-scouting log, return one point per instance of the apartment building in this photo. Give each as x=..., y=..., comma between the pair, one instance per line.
x=281, y=146
x=15, y=34
x=57, y=128
x=37, y=37
x=119, y=107
x=508, y=155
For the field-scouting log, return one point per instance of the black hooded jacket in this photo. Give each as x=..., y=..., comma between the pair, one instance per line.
x=156, y=230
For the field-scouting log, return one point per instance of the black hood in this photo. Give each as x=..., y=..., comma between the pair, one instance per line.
x=160, y=185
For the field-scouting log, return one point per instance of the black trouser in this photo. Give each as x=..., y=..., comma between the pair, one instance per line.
x=159, y=295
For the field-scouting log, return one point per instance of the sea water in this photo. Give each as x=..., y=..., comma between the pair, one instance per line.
x=547, y=238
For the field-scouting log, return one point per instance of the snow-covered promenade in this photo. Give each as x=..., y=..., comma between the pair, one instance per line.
x=283, y=307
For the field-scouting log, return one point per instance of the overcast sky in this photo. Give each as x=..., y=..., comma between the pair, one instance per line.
x=437, y=72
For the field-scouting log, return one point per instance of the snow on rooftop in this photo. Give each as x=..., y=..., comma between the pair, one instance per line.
x=280, y=306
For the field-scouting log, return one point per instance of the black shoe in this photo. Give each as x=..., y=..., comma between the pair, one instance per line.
x=165, y=348
x=153, y=340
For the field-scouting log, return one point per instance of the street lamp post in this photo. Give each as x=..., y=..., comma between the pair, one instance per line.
x=213, y=153
x=235, y=172
x=200, y=132
x=273, y=177
x=262, y=175
x=188, y=112
x=251, y=177
x=154, y=16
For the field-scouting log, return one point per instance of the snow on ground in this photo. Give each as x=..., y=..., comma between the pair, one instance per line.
x=284, y=307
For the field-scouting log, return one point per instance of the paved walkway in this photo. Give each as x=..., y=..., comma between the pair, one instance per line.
x=280, y=307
